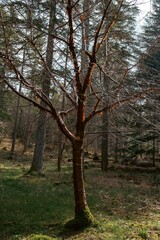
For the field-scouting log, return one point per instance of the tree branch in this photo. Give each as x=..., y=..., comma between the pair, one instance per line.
x=49, y=106
x=120, y=102
x=72, y=46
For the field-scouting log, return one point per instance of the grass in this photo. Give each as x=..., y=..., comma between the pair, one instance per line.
x=126, y=204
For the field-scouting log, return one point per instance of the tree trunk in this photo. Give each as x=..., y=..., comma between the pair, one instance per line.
x=27, y=131
x=60, y=151
x=154, y=151
x=14, y=136
x=105, y=142
x=83, y=216
x=37, y=162
x=116, y=143
x=105, y=119
x=105, y=127
x=17, y=113
x=80, y=196
x=60, y=142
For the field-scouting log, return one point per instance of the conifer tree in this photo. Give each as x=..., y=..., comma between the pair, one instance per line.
x=117, y=60
x=144, y=115
x=37, y=162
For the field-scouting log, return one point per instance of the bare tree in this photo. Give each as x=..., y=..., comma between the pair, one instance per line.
x=82, y=92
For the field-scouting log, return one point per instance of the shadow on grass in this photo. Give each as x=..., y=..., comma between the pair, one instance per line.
x=31, y=205
x=120, y=195
x=36, y=204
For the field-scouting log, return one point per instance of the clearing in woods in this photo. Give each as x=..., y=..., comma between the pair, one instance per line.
x=125, y=203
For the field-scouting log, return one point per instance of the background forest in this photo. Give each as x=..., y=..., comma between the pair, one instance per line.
x=127, y=64
x=79, y=91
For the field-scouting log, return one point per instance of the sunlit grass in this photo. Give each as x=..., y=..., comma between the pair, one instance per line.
x=40, y=205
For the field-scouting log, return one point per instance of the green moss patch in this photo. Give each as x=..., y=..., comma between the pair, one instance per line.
x=82, y=220
x=40, y=237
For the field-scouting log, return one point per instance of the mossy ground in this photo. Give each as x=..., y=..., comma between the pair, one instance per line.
x=40, y=237
x=125, y=204
x=82, y=220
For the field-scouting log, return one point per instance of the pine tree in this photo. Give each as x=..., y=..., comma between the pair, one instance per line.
x=117, y=58
x=37, y=162
x=149, y=72
x=144, y=114
x=150, y=65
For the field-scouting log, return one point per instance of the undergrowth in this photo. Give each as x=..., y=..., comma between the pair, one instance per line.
x=36, y=207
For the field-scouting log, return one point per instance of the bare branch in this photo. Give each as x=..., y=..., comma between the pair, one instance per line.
x=49, y=106
x=72, y=45
x=76, y=3
x=64, y=113
x=96, y=45
x=26, y=98
x=120, y=102
x=50, y=72
x=99, y=28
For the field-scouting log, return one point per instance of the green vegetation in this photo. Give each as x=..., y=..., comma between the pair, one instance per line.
x=37, y=207
x=40, y=237
x=84, y=218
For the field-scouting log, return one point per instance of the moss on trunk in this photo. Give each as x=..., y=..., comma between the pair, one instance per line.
x=83, y=219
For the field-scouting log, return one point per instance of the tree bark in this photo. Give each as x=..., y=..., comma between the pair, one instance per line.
x=105, y=142
x=60, y=151
x=27, y=131
x=60, y=142
x=116, y=144
x=154, y=151
x=105, y=118
x=37, y=162
x=80, y=195
x=83, y=215
x=14, y=135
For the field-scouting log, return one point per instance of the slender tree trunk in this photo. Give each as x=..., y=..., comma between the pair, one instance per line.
x=83, y=215
x=37, y=162
x=105, y=121
x=14, y=136
x=61, y=144
x=116, y=144
x=17, y=114
x=79, y=190
x=27, y=131
x=105, y=142
x=2, y=91
x=60, y=150
x=154, y=151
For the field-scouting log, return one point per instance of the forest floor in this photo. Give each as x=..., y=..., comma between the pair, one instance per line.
x=125, y=203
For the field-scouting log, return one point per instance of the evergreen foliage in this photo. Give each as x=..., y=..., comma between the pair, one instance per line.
x=143, y=116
